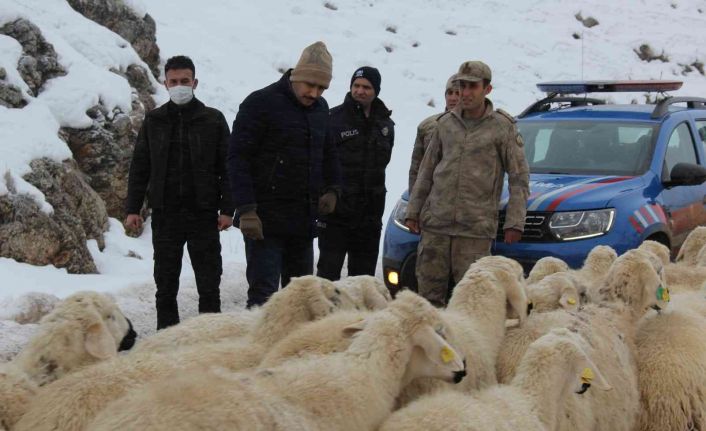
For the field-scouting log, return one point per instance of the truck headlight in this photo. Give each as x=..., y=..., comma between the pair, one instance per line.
x=581, y=224
x=399, y=213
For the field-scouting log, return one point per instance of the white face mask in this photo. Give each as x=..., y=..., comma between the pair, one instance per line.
x=181, y=94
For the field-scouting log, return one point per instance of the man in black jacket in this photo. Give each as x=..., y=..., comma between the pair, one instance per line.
x=280, y=161
x=180, y=154
x=364, y=135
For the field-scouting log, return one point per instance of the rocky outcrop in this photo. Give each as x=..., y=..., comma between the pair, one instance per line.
x=86, y=189
x=29, y=235
x=38, y=62
x=115, y=15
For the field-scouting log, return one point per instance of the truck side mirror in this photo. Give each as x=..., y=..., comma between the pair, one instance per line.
x=686, y=174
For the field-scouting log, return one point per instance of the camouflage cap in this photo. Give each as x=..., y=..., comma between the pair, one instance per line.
x=452, y=82
x=473, y=71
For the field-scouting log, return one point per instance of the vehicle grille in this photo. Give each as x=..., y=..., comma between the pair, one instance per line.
x=536, y=227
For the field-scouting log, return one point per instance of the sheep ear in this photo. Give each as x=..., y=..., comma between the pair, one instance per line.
x=437, y=350
x=99, y=343
x=569, y=300
x=354, y=328
x=516, y=297
x=591, y=375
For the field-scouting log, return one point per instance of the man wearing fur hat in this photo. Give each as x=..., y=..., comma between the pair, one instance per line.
x=455, y=199
x=364, y=134
x=427, y=127
x=284, y=173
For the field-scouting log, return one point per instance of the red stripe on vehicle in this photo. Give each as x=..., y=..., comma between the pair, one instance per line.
x=660, y=212
x=635, y=224
x=646, y=214
x=561, y=198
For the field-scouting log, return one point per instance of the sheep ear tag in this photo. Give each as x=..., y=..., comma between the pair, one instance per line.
x=587, y=376
x=662, y=294
x=571, y=301
x=447, y=355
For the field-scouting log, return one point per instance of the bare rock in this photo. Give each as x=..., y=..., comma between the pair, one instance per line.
x=38, y=62
x=104, y=152
x=646, y=53
x=587, y=22
x=11, y=96
x=115, y=15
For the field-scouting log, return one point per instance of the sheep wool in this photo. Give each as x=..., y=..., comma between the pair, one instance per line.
x=356, y=389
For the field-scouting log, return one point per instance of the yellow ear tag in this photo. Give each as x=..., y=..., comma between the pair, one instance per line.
x=587, y=376
x=571, y=301
x=447, y=355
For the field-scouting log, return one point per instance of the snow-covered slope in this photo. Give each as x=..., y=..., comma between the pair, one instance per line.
x=241, y=46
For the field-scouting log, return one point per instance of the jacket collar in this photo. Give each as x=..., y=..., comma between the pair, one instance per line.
x=163, y=112
x=458, y=111
x=378, y=110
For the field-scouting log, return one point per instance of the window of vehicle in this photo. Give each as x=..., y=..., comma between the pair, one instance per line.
x=680, y=148
x=701, y=128
x=588, y=147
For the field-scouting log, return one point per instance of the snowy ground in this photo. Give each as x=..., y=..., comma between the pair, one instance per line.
x=239, y=47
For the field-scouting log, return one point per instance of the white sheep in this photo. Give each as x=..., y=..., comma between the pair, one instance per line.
x=691, y=246
x=367, y=292
x=555, y=367
x=595, y=268
x=609, y=328
x=351, y=390
x=660, y=250
x=672, y=366
x=560, y=289
x=28, y=308
x=320, y=337
x=207, y=327
x=83, y=329
x=16, y=391
x=362, y=292
x=72, y=402
x=546, y=266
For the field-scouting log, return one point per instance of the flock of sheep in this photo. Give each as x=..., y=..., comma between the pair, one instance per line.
x=615, y=345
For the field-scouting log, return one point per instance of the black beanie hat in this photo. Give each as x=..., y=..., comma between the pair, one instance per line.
x=369, y=73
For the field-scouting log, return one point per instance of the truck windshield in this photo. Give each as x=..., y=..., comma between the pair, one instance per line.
x=588, y=147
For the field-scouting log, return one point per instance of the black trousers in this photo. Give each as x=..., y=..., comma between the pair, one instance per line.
x=273, y=259
x=360, y=243
x=199, y=231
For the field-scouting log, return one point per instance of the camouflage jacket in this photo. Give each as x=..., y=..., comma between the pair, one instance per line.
x=421, y=143
x=461, y=176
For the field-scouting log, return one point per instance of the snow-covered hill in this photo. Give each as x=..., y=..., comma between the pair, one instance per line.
x=241, y=46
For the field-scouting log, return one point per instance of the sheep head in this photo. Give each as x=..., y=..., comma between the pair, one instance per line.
x=510, y=274
x=544, y=267
x=555, y=365
x=634, y=280
x=411, y=324
x=659, y=250
x=692, y=245
x=600, y=259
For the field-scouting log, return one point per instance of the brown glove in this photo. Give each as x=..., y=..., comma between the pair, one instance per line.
x=327, y=203
x=250, y=225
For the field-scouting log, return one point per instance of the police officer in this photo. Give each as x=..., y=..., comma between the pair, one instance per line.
x=364, y=134
x=180, y=153
x=456, y=195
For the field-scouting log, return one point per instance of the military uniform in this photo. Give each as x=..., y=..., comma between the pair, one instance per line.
x=421, y=143
x=456, y=195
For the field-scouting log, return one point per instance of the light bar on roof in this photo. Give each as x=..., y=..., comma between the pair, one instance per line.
x=580, y=87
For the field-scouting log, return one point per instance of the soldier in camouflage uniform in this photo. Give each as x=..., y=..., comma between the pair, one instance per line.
x=427, y=127
x=456, y=196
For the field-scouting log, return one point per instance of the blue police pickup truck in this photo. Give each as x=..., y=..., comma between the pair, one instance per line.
x=599, y=174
